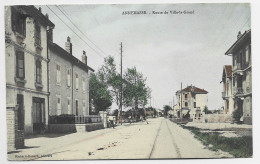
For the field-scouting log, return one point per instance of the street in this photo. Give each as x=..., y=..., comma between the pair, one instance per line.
x=160, y=139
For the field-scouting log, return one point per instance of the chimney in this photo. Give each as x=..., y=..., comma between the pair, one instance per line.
x=49, y=33
x=84, y=57
x=68, y=46
x=40, y=9
x=239, y=35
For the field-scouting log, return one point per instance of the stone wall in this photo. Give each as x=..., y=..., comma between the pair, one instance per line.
x=215, y=118
x=72, y=128
x=15, y=138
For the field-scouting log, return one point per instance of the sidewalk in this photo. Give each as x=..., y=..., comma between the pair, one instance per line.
x=99, y=144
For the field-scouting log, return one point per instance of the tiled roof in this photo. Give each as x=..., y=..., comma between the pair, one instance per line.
x=228, y=69
x=64, y=54
x=195, y=90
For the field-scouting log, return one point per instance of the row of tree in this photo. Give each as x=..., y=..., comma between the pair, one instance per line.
x=105, y=87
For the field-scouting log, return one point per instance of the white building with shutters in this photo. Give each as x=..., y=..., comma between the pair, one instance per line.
x=68, y=80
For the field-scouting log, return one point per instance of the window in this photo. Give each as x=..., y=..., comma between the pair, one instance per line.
x=38, y=72
x=77, y=81
x=20, y=65
x=194, y=103
x=84, y=107
x=68, y=77
x=58, y=73
x=77, y=107
x=227, y=106
x=37, y=35
x=58, y=104
x=83, y=84
x=18, y=22
x=69, y=107
x=186, y=104
x=186, y=96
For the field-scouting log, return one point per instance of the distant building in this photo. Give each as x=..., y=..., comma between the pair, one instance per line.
x=68, y=80
x=192, y=100
x=242, y=75
x=26, y=58
x=227, y=89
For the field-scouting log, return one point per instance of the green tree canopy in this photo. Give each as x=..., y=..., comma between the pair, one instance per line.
x=99, y=94
x=135, y=90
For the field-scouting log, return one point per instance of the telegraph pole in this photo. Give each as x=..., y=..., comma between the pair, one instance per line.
x=181, y=103
x=121, y=92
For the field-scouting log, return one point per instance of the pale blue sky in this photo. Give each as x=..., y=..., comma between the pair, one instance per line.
x=167, y=49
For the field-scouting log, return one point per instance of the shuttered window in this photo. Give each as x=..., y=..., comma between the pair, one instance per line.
x=77, y=81
x=18, y=22
x=20, y=73
x=38, y=72
x=83, y=84
x=37, y=35
x=58, y=73
x=68, y=77
x=58, y=104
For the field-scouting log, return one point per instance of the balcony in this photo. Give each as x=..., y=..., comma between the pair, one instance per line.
x=238, y=91
x=224, y=95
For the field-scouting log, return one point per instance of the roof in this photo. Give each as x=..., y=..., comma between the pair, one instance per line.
x=228, y=69
x=64, y=54
x=36, y=14
x=244, y=38
x=194, y=90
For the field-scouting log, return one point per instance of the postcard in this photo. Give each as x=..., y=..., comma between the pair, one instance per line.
x=128, y=81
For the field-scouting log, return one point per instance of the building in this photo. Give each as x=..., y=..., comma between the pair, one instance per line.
x=26, y=59
x=227, y=89
x=242, y=75
x=191, y=100
x=68, y=80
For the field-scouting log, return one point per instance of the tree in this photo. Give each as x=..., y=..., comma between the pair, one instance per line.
x=99, y=94
x=113, y=80
x=166, y=109
x=206, y=110
x=135, y=91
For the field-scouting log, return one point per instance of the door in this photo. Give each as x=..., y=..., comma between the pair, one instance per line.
x=38, y=115
x=20, y=112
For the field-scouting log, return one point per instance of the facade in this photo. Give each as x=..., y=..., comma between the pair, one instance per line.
x=242, y=75
x=26, y=58
x=192, y=100
x=227, y=90
x=68, y=81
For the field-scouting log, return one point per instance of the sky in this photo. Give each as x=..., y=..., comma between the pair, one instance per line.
x=169, y=49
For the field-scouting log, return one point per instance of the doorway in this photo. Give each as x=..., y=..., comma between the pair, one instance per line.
x=38, y=115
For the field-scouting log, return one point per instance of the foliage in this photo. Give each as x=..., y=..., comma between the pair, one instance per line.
x=166, y=109
x=135, y=91
x=240, y=147
x=99, y=94
x=206, y=110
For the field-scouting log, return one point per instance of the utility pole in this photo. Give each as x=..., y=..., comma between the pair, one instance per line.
x=121, y=92
x=181, y=103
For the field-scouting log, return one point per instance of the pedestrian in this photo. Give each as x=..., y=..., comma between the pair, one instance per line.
x=112, y=123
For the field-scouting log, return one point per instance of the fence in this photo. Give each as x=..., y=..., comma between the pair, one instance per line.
x=71, y=119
